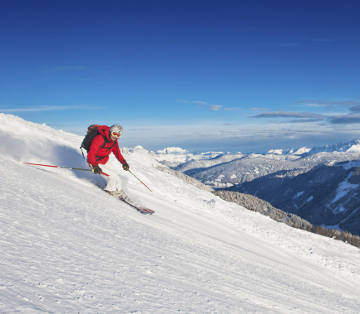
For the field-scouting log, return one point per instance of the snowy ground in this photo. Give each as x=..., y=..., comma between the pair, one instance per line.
x=68, y=247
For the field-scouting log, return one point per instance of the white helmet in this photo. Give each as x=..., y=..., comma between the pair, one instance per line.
x=117, y=129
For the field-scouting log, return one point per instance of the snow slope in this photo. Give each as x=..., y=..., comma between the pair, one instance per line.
x=68, y=247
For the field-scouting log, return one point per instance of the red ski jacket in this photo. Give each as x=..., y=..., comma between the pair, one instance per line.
x=102, y=146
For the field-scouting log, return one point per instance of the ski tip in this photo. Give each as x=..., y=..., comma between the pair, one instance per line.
x=146, y=211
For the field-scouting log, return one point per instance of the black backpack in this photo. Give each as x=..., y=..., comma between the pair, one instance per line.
x=91, y=133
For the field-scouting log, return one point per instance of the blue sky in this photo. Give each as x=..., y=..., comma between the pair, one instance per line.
x=238, y=76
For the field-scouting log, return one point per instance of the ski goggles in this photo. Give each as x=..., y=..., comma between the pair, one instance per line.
x=116, y=134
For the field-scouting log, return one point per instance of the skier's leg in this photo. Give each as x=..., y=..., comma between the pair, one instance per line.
x=113, y=180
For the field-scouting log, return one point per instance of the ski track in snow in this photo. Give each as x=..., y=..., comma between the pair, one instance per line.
x=68, y=247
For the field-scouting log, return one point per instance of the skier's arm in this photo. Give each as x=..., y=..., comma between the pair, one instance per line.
x=117, y=153
x=95, y=146
x=120, y=157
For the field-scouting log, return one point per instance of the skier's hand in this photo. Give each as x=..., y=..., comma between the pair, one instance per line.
x=126, y=166
x=97, y=170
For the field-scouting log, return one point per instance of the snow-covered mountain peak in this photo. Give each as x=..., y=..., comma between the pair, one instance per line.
x=211, y=154
x=139, y=148
x=302, y=150
x=173, y=150
x=280, y=151
x=350, y=147
x=354, y=146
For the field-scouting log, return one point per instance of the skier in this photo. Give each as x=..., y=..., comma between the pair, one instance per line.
x=101, y=147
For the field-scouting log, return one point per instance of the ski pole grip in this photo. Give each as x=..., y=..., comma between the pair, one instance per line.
x=105, y=174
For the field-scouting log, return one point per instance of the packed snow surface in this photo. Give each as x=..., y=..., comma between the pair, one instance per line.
x=68, y=247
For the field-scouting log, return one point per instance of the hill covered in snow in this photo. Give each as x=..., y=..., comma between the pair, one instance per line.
x=67, y=246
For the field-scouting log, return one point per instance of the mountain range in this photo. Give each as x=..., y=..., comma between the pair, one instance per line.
x=222, y=170
x=320, y=184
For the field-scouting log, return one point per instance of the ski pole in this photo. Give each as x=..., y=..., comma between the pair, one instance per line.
x=30, y=163
x=139, y=180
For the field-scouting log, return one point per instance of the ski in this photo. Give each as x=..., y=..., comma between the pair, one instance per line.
x=142, y=210
x=127, y=200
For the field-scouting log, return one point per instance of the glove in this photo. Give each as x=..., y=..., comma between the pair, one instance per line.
x=97, y=170
x=126, y=166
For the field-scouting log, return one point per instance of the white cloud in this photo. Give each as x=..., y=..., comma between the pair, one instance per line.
x=328, y=103
x=287, y=114
x=194, y=102
x=215, y=107
x=211, y=107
